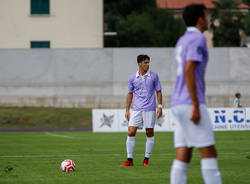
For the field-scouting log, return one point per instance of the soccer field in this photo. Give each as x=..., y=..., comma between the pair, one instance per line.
x=35, y=157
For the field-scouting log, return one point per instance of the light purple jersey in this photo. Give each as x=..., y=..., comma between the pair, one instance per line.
x=190, y=47
x=143, y=89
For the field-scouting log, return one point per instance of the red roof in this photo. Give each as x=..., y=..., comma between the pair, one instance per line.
x=180, y=4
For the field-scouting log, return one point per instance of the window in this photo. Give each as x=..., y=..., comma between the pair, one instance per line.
x=40, y=44
x=40, y=7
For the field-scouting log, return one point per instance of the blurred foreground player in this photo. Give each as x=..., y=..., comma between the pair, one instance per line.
x=188, y=106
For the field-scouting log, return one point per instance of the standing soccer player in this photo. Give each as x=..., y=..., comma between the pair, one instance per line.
x=193, y=126
x=142, y=88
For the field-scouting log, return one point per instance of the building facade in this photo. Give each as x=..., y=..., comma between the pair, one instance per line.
x=51, y=23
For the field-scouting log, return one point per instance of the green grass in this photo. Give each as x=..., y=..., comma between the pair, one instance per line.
x=45, y=117
x=31, y=157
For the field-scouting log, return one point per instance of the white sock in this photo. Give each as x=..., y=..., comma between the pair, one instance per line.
x=178, y=173
x=130, y=146
x=210, y=171
x=149, y=146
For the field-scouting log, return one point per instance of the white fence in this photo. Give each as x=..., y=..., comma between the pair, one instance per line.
x=222, y=119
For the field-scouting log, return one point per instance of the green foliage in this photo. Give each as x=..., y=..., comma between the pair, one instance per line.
x=246, y=23
x=123, y=8
x=223, y=36
x=227, y=33
x=30, y=117
x=136, y=30
x=142, y=24
x=247, y=2
x=226, y=4
x=155, y=28
x=246, y=19
x=167, y=28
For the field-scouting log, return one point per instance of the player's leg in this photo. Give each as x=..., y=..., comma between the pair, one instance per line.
x=149, y=118
x=178, y=174
x=184, y=154
x=130, y=144
x=209, y=165
x=134, y=122
x=149, y=145
x=179, y=167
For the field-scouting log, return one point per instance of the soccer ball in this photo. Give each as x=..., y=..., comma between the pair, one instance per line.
x=68, y=165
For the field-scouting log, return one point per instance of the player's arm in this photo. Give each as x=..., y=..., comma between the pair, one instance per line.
x=239, y=105
x=128, y=104
x=191, y=85
x=159, y=99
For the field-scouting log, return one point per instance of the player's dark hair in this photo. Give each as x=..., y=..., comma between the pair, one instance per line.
x=146, y=57
x=142, y=57
x=237, y=95
x=192, y=12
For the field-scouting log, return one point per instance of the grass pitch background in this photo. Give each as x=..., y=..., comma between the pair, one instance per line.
x=35, y=157
x=44, y=117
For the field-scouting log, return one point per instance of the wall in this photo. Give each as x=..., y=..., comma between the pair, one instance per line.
x=97, y=78
x=71, y=24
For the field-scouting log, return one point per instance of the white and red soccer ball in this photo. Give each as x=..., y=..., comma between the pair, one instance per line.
x=68, y=165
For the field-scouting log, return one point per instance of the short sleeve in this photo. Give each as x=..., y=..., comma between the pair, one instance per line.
x=130, y=85
x=157, y=83
x=236, y=102
x=195, y=51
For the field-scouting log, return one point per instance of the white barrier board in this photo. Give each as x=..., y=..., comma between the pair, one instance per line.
x=222, y=119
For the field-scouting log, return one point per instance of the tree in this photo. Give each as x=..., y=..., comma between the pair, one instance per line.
x=246, y=19
x=247, y=2
x=154, y=28
x=246, y=23
x=226, y=34
x=114, y=11
x=136, y=30
x=144, y=26
x=123, y=8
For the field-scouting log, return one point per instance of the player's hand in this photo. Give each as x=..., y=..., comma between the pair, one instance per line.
x=127, y=115
x=159, y=113
x=195, y=116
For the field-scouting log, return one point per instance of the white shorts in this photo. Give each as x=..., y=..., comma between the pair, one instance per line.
x=142, y=119
x=188, y=134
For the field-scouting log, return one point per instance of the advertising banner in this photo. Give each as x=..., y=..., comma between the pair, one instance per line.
x=222, y=119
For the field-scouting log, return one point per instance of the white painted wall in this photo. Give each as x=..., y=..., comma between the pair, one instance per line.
x=71, y=24
x=99, y=77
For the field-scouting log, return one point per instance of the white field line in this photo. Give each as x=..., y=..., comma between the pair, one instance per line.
x=93, y=154
x=36, y=156
x=169, y=154
x=57, y=135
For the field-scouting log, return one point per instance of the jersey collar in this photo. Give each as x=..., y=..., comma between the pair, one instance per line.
x=147, y=74
x=193, y=29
